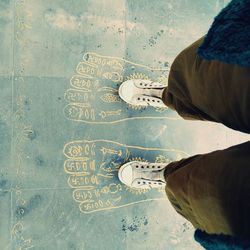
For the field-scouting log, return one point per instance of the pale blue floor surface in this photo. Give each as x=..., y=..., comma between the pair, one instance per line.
x=64, y=131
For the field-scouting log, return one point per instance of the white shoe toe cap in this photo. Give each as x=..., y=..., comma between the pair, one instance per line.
x=125, y=174
x=127, y=91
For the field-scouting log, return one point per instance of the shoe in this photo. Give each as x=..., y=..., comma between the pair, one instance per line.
x=142, y=175
x=141, y=92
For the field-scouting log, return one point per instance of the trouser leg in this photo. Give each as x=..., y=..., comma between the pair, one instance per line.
x=212, y=191
x=182, y=105
x=209, y=90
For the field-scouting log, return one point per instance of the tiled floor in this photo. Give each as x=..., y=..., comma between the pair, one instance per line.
x=64, y=131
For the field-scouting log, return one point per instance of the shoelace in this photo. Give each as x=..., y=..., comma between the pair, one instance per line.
x=149, y=181
x=153, y=176
x=148, y=101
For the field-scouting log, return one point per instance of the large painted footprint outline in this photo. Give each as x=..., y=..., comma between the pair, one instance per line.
x=93, y=165
x=93, y=95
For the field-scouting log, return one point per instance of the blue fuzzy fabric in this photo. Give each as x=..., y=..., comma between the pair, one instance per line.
x=221, y=242
x=228, y=39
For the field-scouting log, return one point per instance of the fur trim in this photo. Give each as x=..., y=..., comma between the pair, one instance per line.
x=228, y=39
x=221, y=241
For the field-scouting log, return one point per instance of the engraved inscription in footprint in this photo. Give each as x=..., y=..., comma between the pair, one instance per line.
x=92, y=167
x=93, y=93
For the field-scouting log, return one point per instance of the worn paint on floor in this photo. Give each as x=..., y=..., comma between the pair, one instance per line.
x=64, y=131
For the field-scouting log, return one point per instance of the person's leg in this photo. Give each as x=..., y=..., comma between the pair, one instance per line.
x=212, y=191
x=209, y=90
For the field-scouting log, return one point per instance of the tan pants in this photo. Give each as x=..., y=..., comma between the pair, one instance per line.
x=212, y=191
